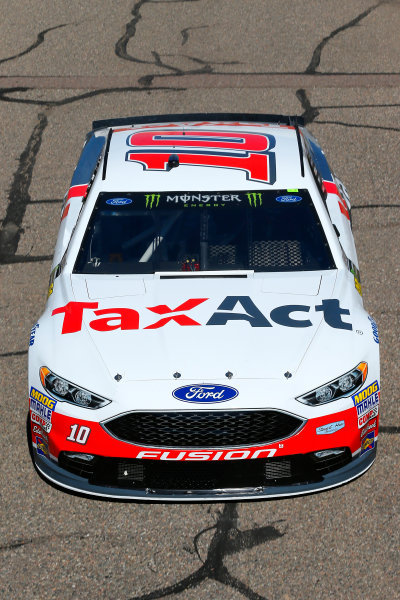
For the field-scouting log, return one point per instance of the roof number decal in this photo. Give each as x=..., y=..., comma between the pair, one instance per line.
x=249, y=152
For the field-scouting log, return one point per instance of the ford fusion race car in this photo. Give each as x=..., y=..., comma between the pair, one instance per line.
x=204, y=335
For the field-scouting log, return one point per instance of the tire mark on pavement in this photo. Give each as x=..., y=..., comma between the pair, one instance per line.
x=18, y=196
x=17, y=353
x=19, y=543
x=9, y=259
x=316, y=57
x=39, y=40
x=390, y=429
x=227, y=540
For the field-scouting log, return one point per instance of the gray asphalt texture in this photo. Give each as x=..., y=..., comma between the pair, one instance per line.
x=63, y=64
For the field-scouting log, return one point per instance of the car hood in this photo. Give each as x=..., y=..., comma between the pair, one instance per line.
x=198, y=327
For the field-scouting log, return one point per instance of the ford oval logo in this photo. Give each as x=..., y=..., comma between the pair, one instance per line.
x=288, y=199
x=118, y=201
x=205, y=393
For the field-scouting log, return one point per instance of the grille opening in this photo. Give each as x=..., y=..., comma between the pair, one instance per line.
x=203, y=429
x=278, y=469
x=131, y=472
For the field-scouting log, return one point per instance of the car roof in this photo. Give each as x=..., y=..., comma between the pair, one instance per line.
x=253, y=152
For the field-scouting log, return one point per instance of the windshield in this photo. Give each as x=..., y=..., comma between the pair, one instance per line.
x=204, y=231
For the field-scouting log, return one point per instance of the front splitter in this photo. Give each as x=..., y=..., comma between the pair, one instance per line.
x=74, y=483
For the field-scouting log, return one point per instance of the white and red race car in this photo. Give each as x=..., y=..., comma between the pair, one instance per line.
x=204, y=336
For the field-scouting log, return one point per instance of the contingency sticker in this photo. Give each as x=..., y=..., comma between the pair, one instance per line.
x=41, y=405
x=363, y=419
x=41, y=447
x=368, y=443
x=367, y=398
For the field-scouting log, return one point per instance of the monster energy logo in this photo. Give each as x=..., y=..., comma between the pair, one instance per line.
x=254, y=197
x=152, y=200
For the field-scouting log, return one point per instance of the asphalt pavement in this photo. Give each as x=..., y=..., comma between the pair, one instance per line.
x=64, y=64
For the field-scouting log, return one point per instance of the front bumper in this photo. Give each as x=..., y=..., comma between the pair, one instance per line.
x=77, y=483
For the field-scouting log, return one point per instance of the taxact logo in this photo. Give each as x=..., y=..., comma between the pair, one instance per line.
x=232, y=308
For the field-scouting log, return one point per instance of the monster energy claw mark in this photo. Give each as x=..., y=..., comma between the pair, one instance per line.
x=152, y=200
x=254, y=197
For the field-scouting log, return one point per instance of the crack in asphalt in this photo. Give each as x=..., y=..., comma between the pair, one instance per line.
x=227, y=540
x=18, y=196
x=39, y=40
x=316, y=57
x=185, y=32
x=130, y=32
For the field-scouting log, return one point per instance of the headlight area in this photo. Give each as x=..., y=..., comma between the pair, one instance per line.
x=65, y=391
x=343, y=386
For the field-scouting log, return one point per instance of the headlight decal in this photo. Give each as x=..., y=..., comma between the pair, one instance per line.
x=65, y=391
x=342, y=387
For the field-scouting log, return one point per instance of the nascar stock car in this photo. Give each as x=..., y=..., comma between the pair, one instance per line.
x=204, y=336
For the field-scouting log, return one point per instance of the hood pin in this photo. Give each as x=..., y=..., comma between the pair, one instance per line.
x=177, y=375
x=288, y=375
x=229, y=375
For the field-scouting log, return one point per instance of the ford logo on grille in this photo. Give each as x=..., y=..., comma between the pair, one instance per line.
x=205, y=393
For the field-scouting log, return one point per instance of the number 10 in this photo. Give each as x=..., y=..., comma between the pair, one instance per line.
x=79, y=434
